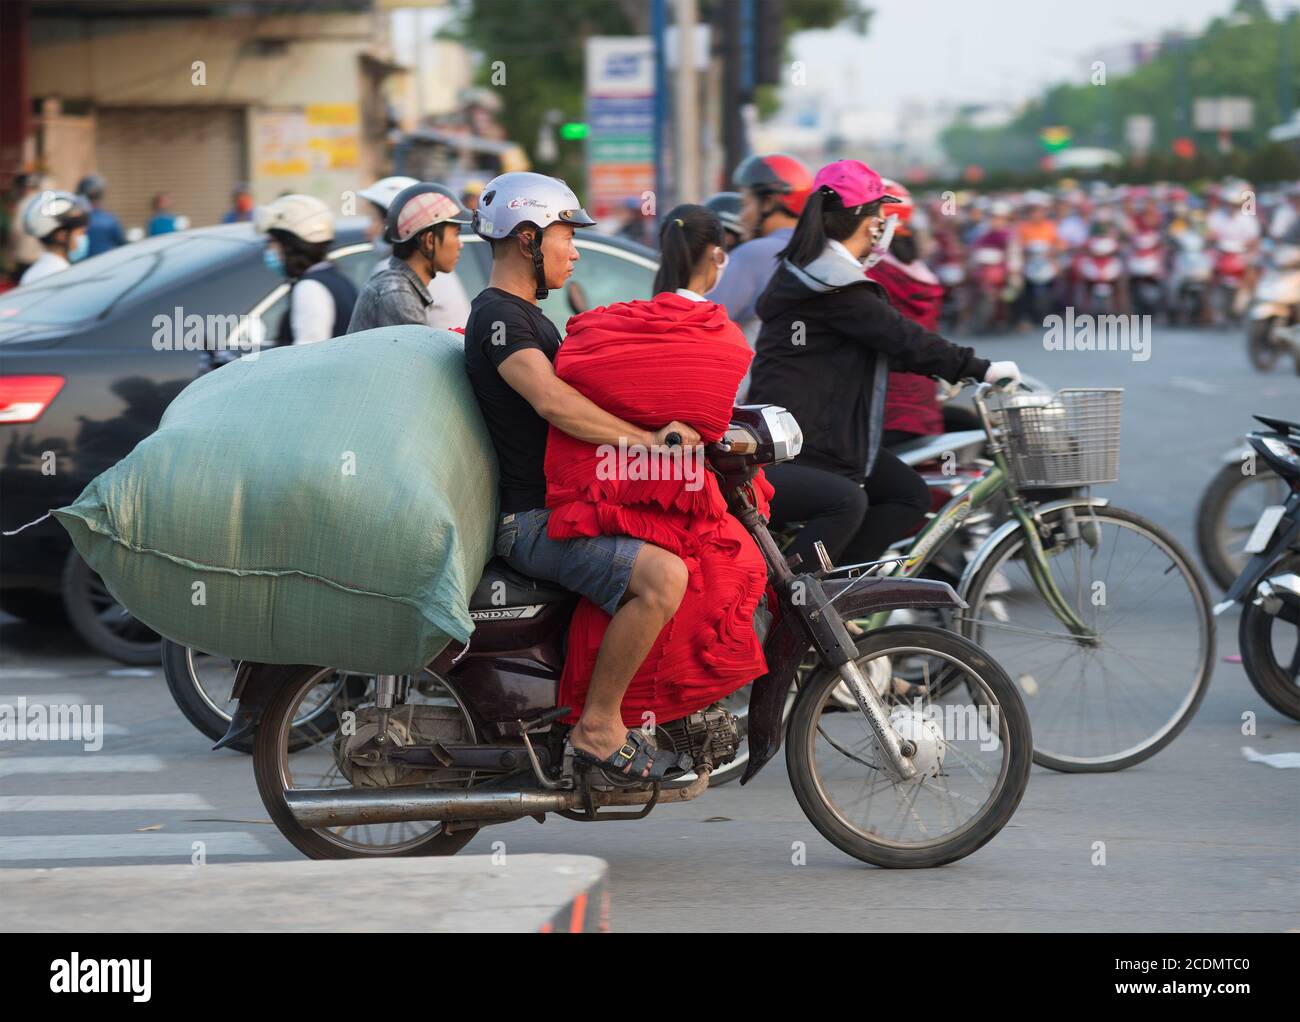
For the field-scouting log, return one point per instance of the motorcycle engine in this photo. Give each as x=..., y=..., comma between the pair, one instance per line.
x=411, y=725
x=710, y=736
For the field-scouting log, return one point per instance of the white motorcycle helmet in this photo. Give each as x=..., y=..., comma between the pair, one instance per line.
x=385, y=190
x=52, y=211
x=512, y=200
x=304, y=216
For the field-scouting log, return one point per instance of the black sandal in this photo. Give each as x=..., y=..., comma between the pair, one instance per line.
x=636, y=762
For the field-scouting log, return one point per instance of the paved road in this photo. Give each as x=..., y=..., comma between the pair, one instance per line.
x=1195, y=838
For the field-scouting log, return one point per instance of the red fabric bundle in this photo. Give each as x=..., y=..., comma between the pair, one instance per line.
x=652, y=363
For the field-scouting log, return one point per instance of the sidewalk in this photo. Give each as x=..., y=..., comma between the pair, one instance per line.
x=523, y=894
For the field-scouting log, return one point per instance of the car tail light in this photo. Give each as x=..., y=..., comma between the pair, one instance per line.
x=24, y=398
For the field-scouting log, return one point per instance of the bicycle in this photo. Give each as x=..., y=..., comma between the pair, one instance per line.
x=1046, y=581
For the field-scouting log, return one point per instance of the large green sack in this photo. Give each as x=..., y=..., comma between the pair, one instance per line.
x=326, y=504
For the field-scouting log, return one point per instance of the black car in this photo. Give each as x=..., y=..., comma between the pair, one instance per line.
x=92, y=356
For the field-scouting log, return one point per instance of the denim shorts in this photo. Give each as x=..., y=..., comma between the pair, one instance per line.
x=597, y=567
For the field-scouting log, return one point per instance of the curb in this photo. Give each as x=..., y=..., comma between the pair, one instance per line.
x=466, y=894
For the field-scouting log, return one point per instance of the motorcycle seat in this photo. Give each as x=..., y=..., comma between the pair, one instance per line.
x=502, y=586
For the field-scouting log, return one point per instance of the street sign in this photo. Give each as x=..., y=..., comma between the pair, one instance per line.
x=620, y=121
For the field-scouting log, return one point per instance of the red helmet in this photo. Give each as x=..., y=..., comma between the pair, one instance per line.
x=903, y=208
x=776, y=174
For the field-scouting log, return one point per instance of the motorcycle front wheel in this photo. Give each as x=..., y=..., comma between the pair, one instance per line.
x=1270, y=651
x=973, y=752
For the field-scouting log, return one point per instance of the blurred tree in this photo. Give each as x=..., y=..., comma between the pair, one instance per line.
x=1240, y=55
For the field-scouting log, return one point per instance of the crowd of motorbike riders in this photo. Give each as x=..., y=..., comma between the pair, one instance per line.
x=1187, y=258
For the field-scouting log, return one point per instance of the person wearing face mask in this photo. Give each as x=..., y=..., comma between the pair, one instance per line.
x=58, y=220
x=423, y=226
x=299, y=231
x=829, y=340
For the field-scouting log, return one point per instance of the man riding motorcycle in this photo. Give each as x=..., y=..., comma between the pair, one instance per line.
x=510, y=347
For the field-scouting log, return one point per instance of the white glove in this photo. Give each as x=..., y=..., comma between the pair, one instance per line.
x=1003, y=375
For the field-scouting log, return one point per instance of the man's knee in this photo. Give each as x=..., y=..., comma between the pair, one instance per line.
x=663, y=581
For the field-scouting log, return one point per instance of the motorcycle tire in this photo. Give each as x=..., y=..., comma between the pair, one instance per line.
x=803, y=731
x=1263, y=353
x=1220, y=562
x=182, y=681
x=289, y=681
x=1255, y=640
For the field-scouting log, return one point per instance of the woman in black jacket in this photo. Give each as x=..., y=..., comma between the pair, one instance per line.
x=828, y=342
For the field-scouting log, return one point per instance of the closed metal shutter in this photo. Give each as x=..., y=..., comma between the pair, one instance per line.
x=194, y=154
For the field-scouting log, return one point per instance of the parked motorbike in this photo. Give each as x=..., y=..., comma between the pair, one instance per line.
x=1275, y=316
x=1146, y=273
x=1193, y=269
x=423, y=761
x=1268, y=588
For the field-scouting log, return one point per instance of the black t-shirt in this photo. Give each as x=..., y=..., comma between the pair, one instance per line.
x=499, y=325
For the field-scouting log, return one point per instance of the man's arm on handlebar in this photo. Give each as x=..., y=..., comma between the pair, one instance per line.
x=531, y=374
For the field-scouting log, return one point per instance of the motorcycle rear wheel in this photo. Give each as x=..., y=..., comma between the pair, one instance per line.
x=813, y=764
x=271, y=768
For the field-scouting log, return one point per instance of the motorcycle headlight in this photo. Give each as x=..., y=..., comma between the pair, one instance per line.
x=787, y=437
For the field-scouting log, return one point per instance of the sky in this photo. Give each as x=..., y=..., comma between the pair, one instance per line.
x=972, y=51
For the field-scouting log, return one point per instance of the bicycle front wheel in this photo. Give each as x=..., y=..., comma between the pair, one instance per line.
x=1117, y=696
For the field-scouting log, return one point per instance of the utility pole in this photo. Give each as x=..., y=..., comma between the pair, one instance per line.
x=687, y=105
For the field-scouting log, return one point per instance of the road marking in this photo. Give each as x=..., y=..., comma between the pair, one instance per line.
x=98, y=803
x=51, y=847
x=14, y=672
x=41, y=699
x=85, y=764
x=1194, y=385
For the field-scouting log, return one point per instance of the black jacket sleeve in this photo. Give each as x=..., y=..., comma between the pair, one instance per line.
x=864, y=316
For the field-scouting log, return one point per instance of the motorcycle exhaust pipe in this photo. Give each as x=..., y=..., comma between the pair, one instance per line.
x=355, y=807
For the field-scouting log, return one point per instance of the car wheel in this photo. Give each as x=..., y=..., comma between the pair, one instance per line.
x=104, y=624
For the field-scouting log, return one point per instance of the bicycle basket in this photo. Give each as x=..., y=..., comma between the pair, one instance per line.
x=1070, y=438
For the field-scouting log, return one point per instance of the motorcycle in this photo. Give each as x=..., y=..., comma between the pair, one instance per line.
x=1230, y=265
x=1268, y=588
x=1190, y=279
x=1041, y=272
x=1275, y=315
x=421, y=762
x=989, y=281
x=1146, y=272
x=952, y=275
x=1098, y=270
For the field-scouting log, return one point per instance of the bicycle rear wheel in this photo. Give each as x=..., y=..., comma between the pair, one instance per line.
x=1106, y=703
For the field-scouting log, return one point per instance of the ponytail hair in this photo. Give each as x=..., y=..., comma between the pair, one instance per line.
x=824, y=219
x=685, y=237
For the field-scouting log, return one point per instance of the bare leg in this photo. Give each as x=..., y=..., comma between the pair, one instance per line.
x=654, y=593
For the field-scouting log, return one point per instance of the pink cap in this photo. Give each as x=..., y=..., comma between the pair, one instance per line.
x=853, y=181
